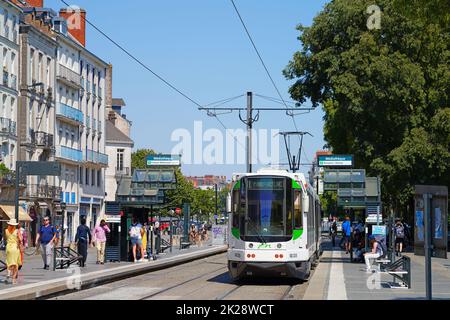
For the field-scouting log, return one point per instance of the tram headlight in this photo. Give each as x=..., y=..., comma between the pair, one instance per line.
x=279, y=246
x=250, y=245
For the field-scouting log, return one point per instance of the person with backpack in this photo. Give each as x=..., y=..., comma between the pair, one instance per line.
x=376, y=252
x=83, y=238
x=135, y=233
x=399, y=237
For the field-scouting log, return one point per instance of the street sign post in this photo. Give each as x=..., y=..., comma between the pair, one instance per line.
x=335, y=160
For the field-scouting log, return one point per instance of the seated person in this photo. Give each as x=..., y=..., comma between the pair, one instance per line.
x=375, y=253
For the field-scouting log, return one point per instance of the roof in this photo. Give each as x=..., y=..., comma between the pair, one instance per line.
x=119, y=102
x=115, y=135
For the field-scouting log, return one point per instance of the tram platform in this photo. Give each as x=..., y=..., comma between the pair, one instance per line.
x=34, y=282
x=337, y=278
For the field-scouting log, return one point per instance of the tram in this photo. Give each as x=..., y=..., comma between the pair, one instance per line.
x=274, y=225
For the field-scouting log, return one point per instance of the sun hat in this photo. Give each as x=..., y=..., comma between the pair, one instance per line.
x=13, y=222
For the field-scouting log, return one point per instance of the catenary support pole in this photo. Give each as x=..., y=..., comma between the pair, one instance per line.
x=428, y=245
x=249, y=130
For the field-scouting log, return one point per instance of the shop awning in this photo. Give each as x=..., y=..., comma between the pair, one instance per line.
x=9, y=212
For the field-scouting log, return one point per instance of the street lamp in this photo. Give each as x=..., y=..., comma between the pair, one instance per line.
x=171, y=213
x=38, y=84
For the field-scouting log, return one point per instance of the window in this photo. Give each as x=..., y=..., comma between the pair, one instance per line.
x=40, y=70
x=81, y=175
x=87, y=176
x=298, y=223
x=47, y=71
x=99, y=178
x=93, y=178
x=32, y=73
x=120, y=153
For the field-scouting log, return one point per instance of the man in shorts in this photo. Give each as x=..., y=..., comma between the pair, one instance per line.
x=347, y=232
x=135, y=233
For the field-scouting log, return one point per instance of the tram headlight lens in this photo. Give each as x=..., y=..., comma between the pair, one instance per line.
x=279, y=246
x=250, y=245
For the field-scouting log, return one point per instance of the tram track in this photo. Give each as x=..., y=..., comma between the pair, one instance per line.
x=180, y=284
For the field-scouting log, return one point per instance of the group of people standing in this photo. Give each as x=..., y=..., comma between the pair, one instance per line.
x=352, y=238
x=47, y=238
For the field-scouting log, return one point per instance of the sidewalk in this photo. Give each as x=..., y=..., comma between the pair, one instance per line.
x=336, y=278
x=35, y=282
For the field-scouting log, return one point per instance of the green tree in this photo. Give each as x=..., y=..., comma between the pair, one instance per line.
x=385, y=92
x=184, y=192
x=139, y=158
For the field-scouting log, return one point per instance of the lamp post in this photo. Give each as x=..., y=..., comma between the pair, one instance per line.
x=63, y=208
x=171, y=212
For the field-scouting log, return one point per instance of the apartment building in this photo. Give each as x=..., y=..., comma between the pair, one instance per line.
x=9, y=90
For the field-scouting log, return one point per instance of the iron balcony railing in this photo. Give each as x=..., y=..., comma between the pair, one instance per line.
x=42, y=191
x=69, y=75
x=124, y=171
x=96, y=157
x=69, y=112
x=69, y=153
x=7, y=126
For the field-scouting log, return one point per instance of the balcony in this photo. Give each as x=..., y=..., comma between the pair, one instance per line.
x=67, y=112
x=69, y=77
x=42, y=191
x=70, y=154
x=124, y=171
x=8, y=127
x=43, y=140
x=96, y=157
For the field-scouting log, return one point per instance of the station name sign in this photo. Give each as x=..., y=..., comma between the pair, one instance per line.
x=164, y=160
x=335, y=160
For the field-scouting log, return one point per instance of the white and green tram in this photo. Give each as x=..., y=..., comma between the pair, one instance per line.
x=274, y=225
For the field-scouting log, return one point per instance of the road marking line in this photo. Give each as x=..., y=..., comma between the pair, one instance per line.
x=336, y=285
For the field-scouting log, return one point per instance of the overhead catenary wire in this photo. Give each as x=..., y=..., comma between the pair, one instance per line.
x=142, y=64
x=265, y=67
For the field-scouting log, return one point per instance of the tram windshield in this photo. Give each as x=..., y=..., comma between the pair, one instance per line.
x=266, y=207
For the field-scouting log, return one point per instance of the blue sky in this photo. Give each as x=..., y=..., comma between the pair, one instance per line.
x=201, y=48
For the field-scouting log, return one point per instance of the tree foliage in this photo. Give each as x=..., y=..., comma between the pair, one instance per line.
x=139, y=158
x=385, y=92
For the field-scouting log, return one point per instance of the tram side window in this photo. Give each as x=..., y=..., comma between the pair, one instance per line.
x=289, y=208
x=298, y=223
x=235, y=205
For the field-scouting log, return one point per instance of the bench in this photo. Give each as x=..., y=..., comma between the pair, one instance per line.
x=164, y=245
x=184, y=244
x=2, y=266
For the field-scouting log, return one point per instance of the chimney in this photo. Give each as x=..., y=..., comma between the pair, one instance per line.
x=76, y=23
x=35, y=3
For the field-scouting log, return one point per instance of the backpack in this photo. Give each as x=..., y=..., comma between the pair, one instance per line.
x=399, y=231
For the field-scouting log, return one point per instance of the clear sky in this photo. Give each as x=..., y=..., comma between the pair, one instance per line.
x=201, y=48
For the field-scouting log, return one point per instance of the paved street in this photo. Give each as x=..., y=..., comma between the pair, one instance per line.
x=207, y=279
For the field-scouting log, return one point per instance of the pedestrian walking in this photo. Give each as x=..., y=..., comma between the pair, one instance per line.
x=100, y=240
x=333, y=231
x=399, y=237
x=13, y=239
x=135, y=233
x=144, y=238
x=375, y=253
x=347, y=233
x=46, y=237
x=83, y=239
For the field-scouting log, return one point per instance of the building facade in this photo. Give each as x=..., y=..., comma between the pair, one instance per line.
x=9, y=85
x=119, y=147
x=56, y=111
x=36, y=110
x=208, y=182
